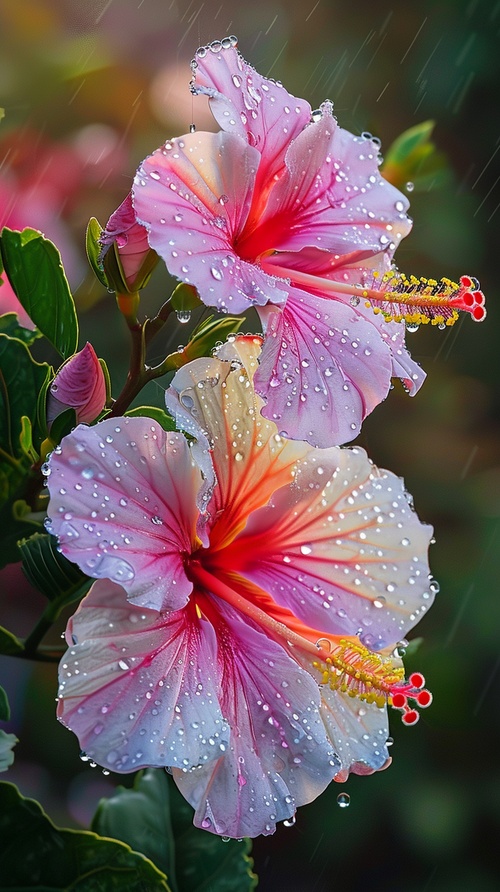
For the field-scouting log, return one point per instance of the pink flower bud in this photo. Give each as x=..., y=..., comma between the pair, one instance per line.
x=127, y=257
x=79, y=384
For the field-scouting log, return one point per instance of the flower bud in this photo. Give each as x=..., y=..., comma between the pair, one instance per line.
x=80, y=385
x=126, y=256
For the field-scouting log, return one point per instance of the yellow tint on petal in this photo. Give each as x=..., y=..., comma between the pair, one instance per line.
x=250, y=458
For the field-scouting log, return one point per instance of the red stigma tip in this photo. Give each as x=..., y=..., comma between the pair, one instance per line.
x=411, y=717
x=399, y=700
x=424, y=698
x=417, y=680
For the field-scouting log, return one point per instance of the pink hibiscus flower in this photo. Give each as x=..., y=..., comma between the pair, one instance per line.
x=287, y=213
x=250, y=592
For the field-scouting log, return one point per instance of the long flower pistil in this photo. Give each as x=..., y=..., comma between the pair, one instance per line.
x=358, y=672
x=346, y=665
x=398, y=298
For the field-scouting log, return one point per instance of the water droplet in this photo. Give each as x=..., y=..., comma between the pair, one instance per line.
x=183, y=316
x=238, y=456
x=306, y=549
x=379, y=602
x=217, y=273
x=343, y=800
x=192, y=128
x=409, y=186
x=156, y=520
x=354, y=301
x=290, y=821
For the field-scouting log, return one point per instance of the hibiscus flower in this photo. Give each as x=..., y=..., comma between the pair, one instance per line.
x=285, y=211
x=251, y=591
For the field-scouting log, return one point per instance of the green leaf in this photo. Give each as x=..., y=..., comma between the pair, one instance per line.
x=9, y=643
x=9, y=325
x=36, y=855
x=7, y=744
x=413, y=157
x=185, y=298
x=26, y=439
x=33, y=265
x=63, y=424
x=21, y=379
x=50, y=572
x=92, y=236
x=4, y=706
x=154, y=817
x=107, y=378
x=159, y=415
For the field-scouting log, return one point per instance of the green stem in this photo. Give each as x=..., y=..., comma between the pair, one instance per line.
x=43, y=625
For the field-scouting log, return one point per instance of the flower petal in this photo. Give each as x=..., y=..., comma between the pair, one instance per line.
x=140, y=688
x=205, y=182
x=332, y=195
x=323, y=369
x=279, y=755
x=123, y=505
x=242, y=101
x=358, y=732
x=215, y=401
x=342, y=548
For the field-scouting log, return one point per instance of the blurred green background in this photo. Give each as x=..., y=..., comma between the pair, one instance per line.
x=89, y=89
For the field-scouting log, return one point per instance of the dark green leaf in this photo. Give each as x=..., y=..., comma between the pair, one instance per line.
x=4, y=706
x=63, y=424
x=141, y=818
x=159, y=415
x=9, y=643
x=92, y=236
x=9, y=325
x=36, y=855
x=21, y=379
x=33, y=265
x=155, y=817
x=50, y=572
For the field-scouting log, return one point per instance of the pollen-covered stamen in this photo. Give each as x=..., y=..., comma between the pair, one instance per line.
x=356, y=671
x=396, y=296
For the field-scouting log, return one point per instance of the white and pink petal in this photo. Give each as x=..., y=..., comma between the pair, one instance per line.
x=279, y=756
x=140, y=688
x=214, y=400
x=193, y=196
x=323, y=369
x=258, y=109
x=123, y=504
x=342, y=548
